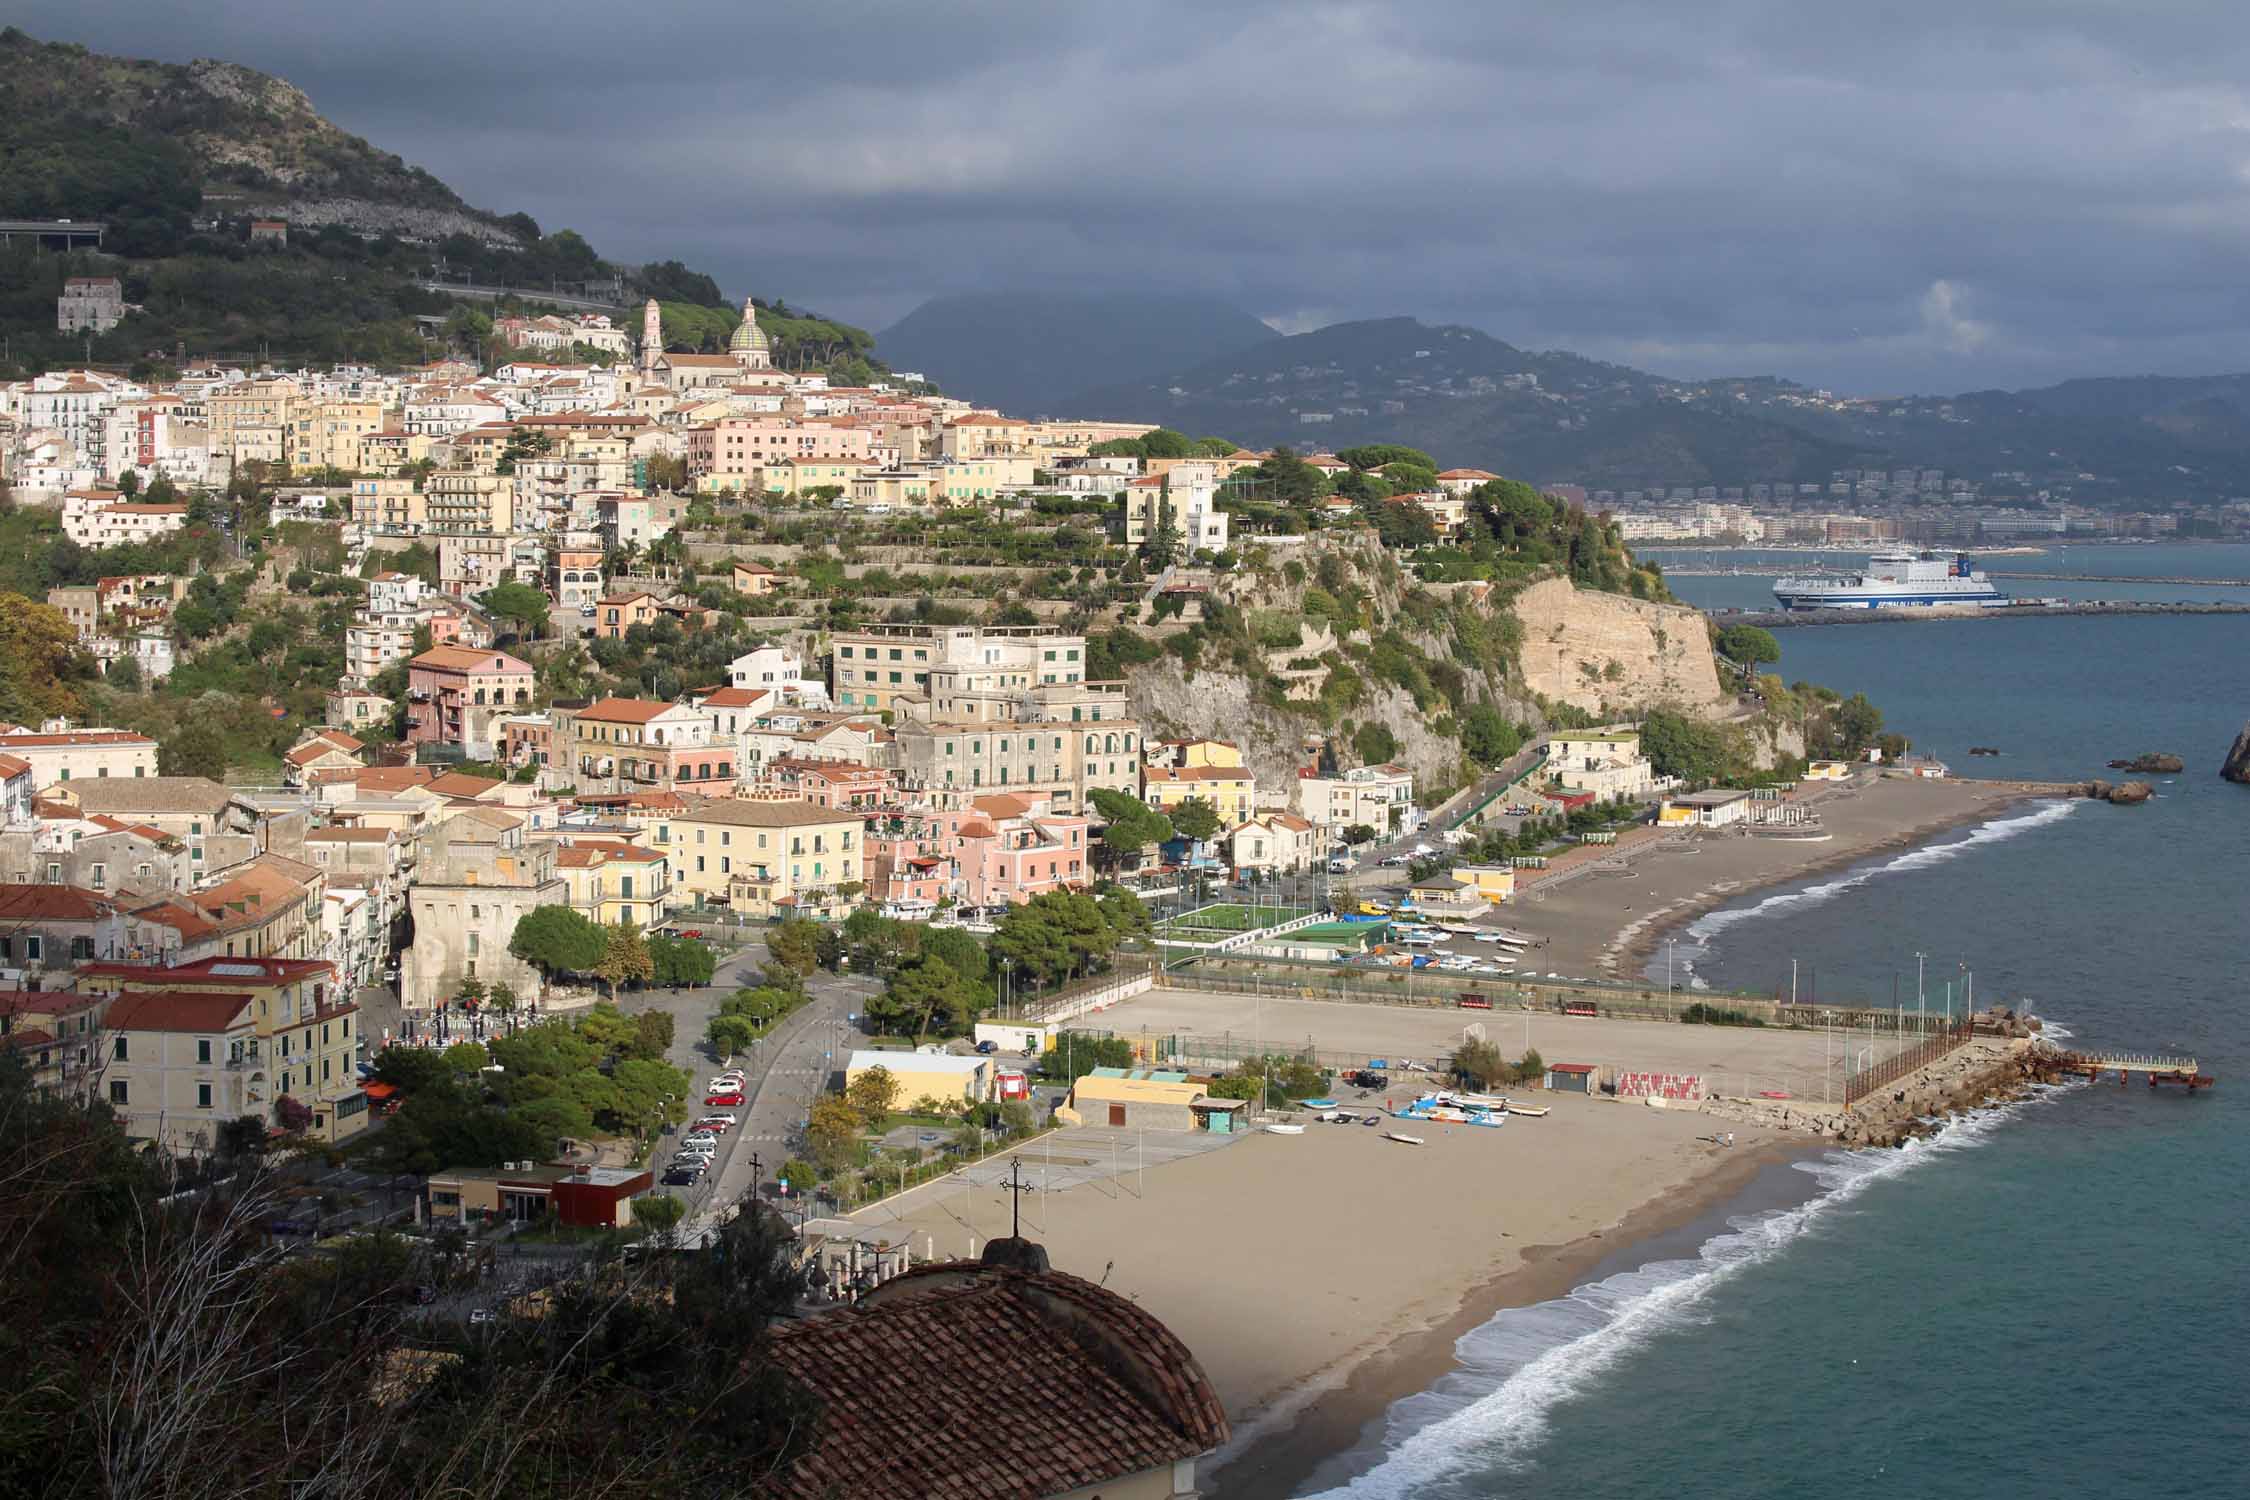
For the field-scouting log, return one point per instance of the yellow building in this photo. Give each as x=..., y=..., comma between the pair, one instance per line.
x=1231, y=790
x=387, y=452
x=1184, y=754
x=787, y=849
x=194, y=1045
x=968, y=480
x=1829, y=770
x=1495, y=883
x=460, y=501
x=797, y=476
x=613, y=883
x=394, y=505
x=329, y=434
x=925, y=1075
x=259, y=405
x=1150, y=1099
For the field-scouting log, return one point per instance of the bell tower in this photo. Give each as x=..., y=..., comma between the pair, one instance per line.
x=652, y=337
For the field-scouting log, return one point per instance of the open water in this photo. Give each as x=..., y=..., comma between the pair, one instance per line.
x=2047, y=1298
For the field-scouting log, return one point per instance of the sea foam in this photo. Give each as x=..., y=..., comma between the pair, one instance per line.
x=1517, y=1368
x=1704, y=928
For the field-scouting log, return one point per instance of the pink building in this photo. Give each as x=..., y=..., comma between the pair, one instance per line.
x=831, y=783
x=727, y=454
x=1012, y=848
x=454, y=694
x=906, y=860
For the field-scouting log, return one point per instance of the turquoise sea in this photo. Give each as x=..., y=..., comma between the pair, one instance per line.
x=2051, y=1297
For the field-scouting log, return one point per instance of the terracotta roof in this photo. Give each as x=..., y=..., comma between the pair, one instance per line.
x=253, y=971
x=734, y=697
x=393, y=778
x=462, y=784
x=190, y=924
x=1467, y=474
x=52, y=903
x=12, y=766
x=469, y=659
x=743, y=813
x=176, y=1010
x=77, y=737
x=1074, y=1387
x=350, y=836
x=625, y=710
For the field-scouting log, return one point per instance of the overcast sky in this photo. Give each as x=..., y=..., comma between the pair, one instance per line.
x=1885, y=197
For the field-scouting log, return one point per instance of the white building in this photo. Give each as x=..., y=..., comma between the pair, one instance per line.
x=1607, y=763
x=1381, y=797
x=779, y=670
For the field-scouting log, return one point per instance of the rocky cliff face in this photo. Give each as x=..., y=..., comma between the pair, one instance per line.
x=2237, y=766
x=1609, y=654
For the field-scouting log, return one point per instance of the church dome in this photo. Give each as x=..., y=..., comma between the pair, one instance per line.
x=749, y=340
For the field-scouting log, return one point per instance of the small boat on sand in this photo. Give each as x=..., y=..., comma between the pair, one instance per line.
x=1285, y=1130
x=1528, y=1111
x=1399, y=1136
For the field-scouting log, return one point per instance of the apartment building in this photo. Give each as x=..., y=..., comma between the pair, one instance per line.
x=58, y=753
x=1381, y=797
x=621, y=744
x=615, y=882
x=461, y=500
x=328, y=434
x=1230, y=791
x=761, y=856
x=950, y=763
x=1185, y=501
x=730, y=454
x=194, y=1045
x=874, y=665
x=454, y=693
x=393, y=507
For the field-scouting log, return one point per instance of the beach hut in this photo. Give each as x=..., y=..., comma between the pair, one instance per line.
x=1571, y=1078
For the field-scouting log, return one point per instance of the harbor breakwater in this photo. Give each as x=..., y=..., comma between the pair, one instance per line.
x=1978, y=1074
x=1775, y=619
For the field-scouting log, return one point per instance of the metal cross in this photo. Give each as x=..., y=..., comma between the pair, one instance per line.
x=1017, y=1187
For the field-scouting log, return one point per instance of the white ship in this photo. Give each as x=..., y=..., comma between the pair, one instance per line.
x=1891, y=579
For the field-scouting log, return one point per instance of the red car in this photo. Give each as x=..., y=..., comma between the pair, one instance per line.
x=726, y=1101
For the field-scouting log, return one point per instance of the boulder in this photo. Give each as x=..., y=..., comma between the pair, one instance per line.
x=2154, y=763
x=2098, y=789
x=2125, y=794
x=2237, y=766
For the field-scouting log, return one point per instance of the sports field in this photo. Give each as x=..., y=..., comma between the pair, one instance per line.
x=1224, y=918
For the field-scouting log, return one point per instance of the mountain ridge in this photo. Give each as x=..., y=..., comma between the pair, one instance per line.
x=1025, y=351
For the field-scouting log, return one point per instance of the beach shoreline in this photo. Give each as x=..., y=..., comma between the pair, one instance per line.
x=1637, y=943
x=1611, y=921
x=1280, y=1445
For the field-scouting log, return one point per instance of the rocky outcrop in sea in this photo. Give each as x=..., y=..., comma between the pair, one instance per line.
x=2155, y=763
x=2237, y=766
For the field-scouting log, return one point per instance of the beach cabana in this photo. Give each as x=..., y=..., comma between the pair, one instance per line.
x=1571, y=1078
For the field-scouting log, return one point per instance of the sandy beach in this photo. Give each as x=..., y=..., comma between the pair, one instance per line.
x=1318, y=1277
x=1608, y=923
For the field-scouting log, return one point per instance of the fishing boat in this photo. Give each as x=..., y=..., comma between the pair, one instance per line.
x=1316, y=1103
x=1402, y=1138
x=1285, y=1130
x=1528, y=1111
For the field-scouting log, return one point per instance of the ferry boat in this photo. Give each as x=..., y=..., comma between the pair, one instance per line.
x=1889, y=580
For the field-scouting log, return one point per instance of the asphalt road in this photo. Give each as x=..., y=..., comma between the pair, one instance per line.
x=786, y=1070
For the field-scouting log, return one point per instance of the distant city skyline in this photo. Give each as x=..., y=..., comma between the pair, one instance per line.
x=1929, y=199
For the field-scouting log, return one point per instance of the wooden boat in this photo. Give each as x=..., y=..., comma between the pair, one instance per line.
x=1285, y=1130
x=1399, y=1136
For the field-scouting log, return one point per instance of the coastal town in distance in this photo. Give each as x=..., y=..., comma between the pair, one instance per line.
x=611, y=884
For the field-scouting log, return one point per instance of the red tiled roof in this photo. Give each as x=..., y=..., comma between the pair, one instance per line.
x=1074, y=1386
x=176, y=1010
x=625, y=710
x=51, y=903
x=256, y=971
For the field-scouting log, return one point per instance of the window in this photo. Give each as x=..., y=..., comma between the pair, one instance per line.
x=100, y=881
x=81, y=949
x=117, y=1049
x=203, y=1096
x=202, y=1049
x=118, y=1093
x=34, y=946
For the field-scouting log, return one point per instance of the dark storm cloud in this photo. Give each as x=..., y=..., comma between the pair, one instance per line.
x=1907, y=195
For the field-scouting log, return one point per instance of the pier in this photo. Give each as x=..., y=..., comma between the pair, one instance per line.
x=1779, y=619
x=2184, y=1071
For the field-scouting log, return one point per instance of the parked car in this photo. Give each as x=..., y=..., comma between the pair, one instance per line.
x=988, y=1048
x=678, y=1175
x=722, y=1101
x=1393, y=861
